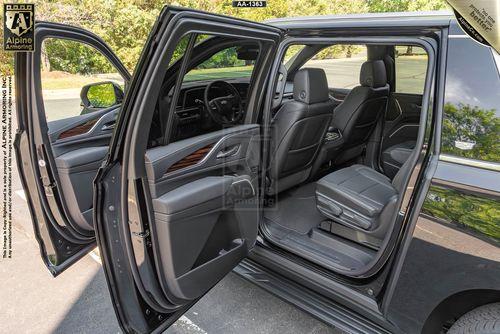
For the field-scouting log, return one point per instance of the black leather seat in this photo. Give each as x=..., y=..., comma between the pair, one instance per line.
x=298, y=129
x=395, y=156
x=361, y=199
x=355, y=118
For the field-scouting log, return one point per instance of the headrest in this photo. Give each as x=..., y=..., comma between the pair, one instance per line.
x=373, y=74
x=310, y=86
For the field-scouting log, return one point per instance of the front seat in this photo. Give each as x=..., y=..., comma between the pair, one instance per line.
x=298, y=129
x=355, y=118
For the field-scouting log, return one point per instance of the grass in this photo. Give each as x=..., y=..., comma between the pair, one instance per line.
x=61, y=80
x=219, y=73
x=56, y=80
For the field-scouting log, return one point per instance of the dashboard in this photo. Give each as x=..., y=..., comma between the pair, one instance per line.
x=192, y=118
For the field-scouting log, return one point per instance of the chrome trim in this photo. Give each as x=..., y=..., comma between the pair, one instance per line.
x=496, y=57
x=392, y=165
x=458, y=36
x=249, y=182
x=398, y=107
x=470, y=162
x=217, y=146
x=401, y=127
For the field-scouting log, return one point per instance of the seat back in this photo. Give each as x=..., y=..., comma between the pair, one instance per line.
x=298, y=129
x=356, y=117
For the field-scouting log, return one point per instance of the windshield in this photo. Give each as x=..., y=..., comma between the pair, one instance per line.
x=222, y=65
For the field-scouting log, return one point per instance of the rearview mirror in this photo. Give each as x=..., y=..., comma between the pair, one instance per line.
x=247, y=53
x=100, y=95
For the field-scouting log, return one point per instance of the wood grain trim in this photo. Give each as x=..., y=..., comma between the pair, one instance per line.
x=78, y=130
x=191, y=159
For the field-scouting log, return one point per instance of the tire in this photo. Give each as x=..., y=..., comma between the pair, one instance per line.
x=482, y=320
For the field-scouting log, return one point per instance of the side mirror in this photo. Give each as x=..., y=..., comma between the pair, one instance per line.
x=100, y=95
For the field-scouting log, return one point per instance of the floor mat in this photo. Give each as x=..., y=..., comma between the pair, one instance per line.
x=296, y=209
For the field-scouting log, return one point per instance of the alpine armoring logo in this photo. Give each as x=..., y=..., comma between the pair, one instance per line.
x=19, y=22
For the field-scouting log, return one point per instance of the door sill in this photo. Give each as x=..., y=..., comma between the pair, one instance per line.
x=320, y=307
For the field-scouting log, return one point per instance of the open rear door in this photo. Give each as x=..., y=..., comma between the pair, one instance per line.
x=175, y=214
x=62, y=138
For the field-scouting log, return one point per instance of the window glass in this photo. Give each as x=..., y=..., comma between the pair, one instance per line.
x=341, y=63
x=471, y=124
x=233, y=62
x=224, y=64
x=291, y=52
x=411, y=67
x=77, y=79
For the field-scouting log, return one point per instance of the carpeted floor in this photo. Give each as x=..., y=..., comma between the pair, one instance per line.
x=296, y=209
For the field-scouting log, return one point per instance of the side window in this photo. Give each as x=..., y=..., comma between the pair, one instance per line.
x=341, y=63
x=471, y=124
x=411, y=67
x=77, y=79
x=291, y=53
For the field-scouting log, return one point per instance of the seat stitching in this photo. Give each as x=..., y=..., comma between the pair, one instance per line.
x=353, y=195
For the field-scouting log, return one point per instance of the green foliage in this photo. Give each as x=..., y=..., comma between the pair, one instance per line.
x=101, y=95
x=405, y=5
x=292, y=52
x=479, y=214
x=219, y=73
x=74, y=57
x=6, y=58
x=225, y=58
x=471, y=124
x=125, y=25
x=339, y=51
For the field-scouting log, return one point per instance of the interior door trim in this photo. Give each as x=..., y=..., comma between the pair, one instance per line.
x=192, y=159
x=402, y=127
x=78, y=130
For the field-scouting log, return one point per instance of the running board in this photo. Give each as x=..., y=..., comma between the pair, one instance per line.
x=309, y=301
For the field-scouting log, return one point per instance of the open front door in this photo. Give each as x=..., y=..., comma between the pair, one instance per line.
x=68, y=94
x=178, y=202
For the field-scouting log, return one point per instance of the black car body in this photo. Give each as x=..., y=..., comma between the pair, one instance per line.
x=173, y=214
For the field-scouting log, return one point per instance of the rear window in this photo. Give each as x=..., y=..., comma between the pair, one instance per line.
x=341, y=63
x=411, y=68
x=471, y=124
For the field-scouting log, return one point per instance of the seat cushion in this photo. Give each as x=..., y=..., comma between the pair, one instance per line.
x=354, y=195
x=399, y=153
x=395, y=156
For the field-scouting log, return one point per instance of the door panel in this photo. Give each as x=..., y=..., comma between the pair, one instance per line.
x=76, y=170
x=79, y=146
x=205, y=213
x=80, y=128
x=400, y=130
x=58, y=155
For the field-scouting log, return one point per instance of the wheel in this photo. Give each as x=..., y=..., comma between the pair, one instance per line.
x=482, y=320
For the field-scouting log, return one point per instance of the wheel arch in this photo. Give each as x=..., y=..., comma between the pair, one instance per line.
x=456, y=305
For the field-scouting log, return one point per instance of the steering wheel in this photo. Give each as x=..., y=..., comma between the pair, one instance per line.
x=227, y=109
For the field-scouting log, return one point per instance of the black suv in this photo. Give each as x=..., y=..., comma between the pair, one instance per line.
x=364, y=190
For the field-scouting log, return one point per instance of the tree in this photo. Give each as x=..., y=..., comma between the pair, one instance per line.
x=471, y=124
x=125, y=25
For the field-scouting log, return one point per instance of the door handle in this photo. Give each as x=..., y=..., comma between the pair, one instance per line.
x=107, y=127
x=228, y=152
